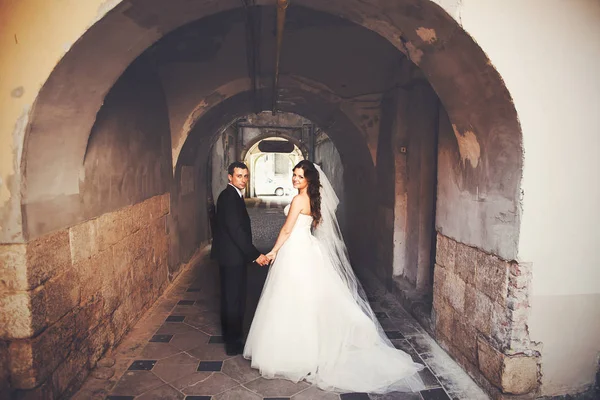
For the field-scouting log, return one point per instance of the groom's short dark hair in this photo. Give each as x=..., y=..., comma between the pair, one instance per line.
x=234, y=165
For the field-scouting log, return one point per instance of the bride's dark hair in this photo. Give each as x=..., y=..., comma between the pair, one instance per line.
x=314, y=189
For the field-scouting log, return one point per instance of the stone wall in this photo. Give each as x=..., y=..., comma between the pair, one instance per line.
x=68, y=296
x=189, y=218
x=481, y=307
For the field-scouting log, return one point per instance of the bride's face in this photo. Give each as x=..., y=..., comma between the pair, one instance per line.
x=299, y=180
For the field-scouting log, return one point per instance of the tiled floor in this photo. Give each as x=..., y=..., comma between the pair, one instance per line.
x=175, y=352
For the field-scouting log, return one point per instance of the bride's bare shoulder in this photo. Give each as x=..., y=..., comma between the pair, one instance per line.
x=301, y=201
x=301, y=198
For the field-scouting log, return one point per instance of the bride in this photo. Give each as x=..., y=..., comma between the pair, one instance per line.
x=313, y=321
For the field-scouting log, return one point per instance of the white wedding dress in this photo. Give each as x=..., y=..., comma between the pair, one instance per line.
x=308, y=325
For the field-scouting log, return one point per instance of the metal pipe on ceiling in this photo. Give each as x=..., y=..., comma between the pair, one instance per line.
x=282, y=6
x=253, y=28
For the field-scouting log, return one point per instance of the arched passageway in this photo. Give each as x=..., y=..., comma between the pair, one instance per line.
x=269, y=150
x=116, y=155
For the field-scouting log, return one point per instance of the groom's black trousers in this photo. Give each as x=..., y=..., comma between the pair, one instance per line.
x=234, y=249
x=233, y=302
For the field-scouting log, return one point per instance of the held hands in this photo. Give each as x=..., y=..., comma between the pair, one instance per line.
x=271, y=255
x=262, y=260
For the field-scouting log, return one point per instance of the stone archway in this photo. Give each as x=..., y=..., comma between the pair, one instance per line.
x=255, y=159
x=345, y=135
x=263, y=136
x=471, y=91
x=479, y=168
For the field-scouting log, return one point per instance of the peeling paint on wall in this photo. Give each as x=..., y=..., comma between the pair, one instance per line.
x=18, y=134
x=11, y=230
x=17, y=92
x=468, y=146
x=427, y=35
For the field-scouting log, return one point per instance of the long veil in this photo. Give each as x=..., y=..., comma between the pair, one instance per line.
x=334, y=248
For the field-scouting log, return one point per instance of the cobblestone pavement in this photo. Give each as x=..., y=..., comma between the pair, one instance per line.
x=175, y=351
x=266, y=214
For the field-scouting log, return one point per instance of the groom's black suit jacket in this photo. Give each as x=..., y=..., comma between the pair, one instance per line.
x=233, y=238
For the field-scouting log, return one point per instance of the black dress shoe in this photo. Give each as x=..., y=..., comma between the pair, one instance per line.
x=233, y=349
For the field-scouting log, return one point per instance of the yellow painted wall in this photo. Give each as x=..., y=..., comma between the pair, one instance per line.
x=34, y=36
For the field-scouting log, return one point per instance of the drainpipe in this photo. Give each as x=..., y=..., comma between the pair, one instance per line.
x=282, y=5
x=253, y=27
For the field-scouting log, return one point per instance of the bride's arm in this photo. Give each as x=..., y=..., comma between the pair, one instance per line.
x=286, y=230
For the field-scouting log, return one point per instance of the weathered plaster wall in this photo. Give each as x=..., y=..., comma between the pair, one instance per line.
x=481, y=302
x=28, y=55
x=129, y=152
x=557, y=100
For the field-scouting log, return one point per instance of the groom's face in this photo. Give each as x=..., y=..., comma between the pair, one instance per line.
x=239, y=179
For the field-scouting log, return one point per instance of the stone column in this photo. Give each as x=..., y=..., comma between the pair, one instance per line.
x=391, y=184
x=399, y=147
x=425, y=105
x=421, y=126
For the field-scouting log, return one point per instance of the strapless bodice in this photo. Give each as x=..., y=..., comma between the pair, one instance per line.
x=302, y=223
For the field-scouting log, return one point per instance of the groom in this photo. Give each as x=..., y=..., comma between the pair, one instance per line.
x=234, y=250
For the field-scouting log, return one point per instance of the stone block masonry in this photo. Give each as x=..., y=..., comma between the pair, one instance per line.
x=481, y=306
x=68, y=296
